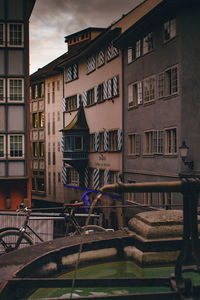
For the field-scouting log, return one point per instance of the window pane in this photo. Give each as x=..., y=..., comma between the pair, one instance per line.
x=15, y=34
x=16, y=90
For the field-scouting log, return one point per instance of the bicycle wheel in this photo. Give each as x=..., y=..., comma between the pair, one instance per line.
x=91, y=229
x=8, y=240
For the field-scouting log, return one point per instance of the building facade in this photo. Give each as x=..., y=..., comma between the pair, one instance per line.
x=161, y=105
x=15, y=183
x=46, y=116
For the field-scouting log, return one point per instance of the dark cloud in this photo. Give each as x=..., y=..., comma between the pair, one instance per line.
x=51, y=20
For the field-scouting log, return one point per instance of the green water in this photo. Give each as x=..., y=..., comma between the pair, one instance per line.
x=118, y=269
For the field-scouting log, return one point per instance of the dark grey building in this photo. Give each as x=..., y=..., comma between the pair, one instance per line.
x=161, y=107
x=14, y=102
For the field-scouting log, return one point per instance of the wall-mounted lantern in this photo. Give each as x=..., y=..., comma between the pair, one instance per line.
x=184, y=153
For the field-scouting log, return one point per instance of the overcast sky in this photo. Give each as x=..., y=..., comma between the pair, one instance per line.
x=52, y=20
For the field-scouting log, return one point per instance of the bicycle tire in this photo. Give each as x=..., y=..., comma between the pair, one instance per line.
x=93, y=228
x=9, y=238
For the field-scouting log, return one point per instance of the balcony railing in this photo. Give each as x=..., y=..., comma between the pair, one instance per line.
x=75, y=155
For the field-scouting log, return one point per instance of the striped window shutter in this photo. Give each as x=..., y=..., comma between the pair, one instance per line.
x=75, y=71
x=86, y=178
x=106, y=177
x=62, y=144
x=96, y=179
x=100, y=58
x=109, y=94
x=85, y=98
x=105, y=90
x=115, y=51
x=109, y=52
x=63, y=105
x=96, y=94
x=65, y=175
x=116, y=86
x=119, y=140
x=130, y=54
x=78, y=100
x=96, y=142
x=69, y=74
x=105, y=140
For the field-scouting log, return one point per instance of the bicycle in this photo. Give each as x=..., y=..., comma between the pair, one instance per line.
x=13, y=238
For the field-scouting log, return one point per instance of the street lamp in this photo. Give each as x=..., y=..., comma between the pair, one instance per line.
x=184, y=153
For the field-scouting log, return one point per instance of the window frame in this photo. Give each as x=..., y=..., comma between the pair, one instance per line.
x=22, y=37
x=71, y=103
x=22, y=87
x=3, y=35
x=81, y=139
x=4, y=146
x=145, y=81
x=173, y=144
x=4, y=91
x=137, y=97
x=134, y=144
x=170, y=23
x=9, y=147
x=166, y=88
x=146, y=44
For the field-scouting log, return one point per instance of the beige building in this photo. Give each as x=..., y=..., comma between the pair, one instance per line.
x=47, y=89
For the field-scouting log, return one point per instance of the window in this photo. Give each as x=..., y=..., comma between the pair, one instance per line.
x=78, y=143
x=49, y=125
x=90, y=97
x=148, y=199
x=92, y=142
x=171, y=141
x=49, y=182
x=54, y=154
x=168, y=82
x=53, y=92
x=48, y=93
x=54, y=183
x=111, y=88
x=58, y=85
x=71, y=103
x=91, y=64
x=2, y=34
x=40, y=184
x=112, y=52
x=101, y=178
x=148, y=43
x=169, y=30
x=59, y=177
x=35, y=120
x=49, y=153
x=53, y=124
x=148, y=142
x=134, y=51
x=134, y=144
x=2, y=89
x=41, y=119
x=15, y=90
x=154, y=142
x=41, y=149
x=149, y=88
x=158, y=142
x=113, y=140
x=165, y=200
x=135, y=94
x=37, y=90
x=2, y=146
x=35, y=149
x=15, y=35
x=101, y=141
x=100, y=93
x=58, y=146
x=16, y=145
x=73, y=177
x=58, y=116
x=100, y=58
x=71, y=72
x=67, y=143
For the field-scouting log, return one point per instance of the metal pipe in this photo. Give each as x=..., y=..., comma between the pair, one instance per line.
x=168, y=186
